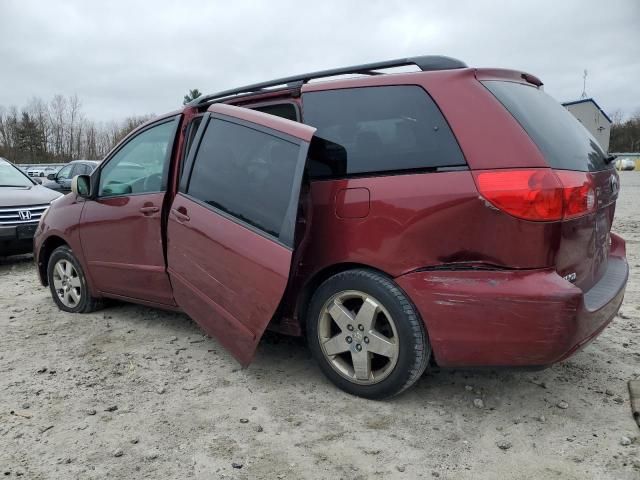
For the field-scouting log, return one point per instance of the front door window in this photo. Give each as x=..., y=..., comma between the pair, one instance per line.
x=141, y=165
x=64, y=173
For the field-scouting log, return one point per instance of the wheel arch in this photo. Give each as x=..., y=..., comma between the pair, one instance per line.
x=47, y=248
x=311, y=285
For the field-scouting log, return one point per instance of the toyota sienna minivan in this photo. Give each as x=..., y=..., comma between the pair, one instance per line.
x=453, y=215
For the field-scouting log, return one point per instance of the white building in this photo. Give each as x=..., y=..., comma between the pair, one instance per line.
x=589, y=113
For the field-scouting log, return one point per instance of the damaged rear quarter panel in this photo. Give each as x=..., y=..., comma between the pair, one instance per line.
x=495, y=318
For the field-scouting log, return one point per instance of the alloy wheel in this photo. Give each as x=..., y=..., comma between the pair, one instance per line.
x=67, y=284
x=358, y=337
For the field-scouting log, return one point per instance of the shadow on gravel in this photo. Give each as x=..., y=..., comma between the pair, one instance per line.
x=290, y=357
x=174, y=322
x=15, y=260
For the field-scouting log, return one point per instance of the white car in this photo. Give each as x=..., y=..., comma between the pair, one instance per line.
x=36, y=171
x=625, y=164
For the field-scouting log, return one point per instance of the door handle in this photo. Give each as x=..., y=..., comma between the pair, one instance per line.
x=149, y=210
x=183, y=217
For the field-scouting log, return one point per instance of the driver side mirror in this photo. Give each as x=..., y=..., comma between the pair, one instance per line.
x=81, y=185
x=37, y=180
x=51, y=176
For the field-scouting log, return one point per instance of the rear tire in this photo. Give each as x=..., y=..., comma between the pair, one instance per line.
x=366, y=335
x=68, y=283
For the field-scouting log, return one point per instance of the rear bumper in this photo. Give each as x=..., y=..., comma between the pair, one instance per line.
x=514, y=318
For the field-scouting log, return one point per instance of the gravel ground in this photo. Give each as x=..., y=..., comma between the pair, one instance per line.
x=132, y=392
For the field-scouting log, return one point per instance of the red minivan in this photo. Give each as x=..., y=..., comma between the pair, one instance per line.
x=451, y=214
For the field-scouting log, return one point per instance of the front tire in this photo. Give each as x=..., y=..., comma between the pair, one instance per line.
x=366, y=335
x=68, y=283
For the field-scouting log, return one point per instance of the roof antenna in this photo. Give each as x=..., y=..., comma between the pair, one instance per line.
x=584, y=84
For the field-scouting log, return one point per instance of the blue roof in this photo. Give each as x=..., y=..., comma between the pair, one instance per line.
x=585, y=100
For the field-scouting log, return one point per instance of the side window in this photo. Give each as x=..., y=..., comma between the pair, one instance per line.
x=191, y=134
x=246, y=173
x=84, y=169
x=284, y=110
x=78, y=169
x=141, y=165
x=65, y=172
x=377, y=129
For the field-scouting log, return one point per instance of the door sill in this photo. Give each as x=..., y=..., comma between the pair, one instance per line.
x=148, y=303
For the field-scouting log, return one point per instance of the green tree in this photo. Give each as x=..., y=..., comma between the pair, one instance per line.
x=192, y=95
x=30, y=139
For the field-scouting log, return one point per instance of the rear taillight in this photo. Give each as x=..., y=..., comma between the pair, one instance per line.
x=578, y=193
x=539, y=194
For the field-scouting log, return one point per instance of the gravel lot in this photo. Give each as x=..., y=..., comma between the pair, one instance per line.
x=132, y=392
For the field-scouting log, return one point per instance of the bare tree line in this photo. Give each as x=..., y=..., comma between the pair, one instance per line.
x=625, y=134
x=58, y=131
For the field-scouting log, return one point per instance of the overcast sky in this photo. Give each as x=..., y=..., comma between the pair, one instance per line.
x=131, y=57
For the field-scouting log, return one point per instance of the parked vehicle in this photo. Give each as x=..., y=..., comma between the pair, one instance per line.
x=22, y=202
x=625, y=164
x=35, y=171
x=61, y=180
x=454, y=214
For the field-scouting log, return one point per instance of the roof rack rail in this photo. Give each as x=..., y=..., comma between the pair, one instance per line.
x=424, y=63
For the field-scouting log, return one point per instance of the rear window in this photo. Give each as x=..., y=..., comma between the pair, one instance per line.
x=565, y=143
x=377, y=130
x=284, y=110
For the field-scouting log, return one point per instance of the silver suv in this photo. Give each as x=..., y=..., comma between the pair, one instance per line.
x=22, y=203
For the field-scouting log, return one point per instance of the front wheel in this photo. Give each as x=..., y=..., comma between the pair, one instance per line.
x=366, y=335
x=68, y=283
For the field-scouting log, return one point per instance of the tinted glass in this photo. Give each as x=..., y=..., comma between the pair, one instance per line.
x=284, y=110
x=379, y=129
x=191, y=133
x=246, y=173
x=562, y=139
x=140, y=166
x=10, y=176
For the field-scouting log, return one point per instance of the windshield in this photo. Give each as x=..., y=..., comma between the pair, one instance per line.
x=563, y=140
x=10, y=176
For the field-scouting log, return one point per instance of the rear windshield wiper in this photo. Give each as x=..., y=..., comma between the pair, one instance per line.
x=610, y=159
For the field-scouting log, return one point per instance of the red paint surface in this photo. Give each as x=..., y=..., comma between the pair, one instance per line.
x=123, y=249
x=226, y=277
x=353, y=203
x=421, y=220
x=298, y=130
x=506, y=318
x=61, y=222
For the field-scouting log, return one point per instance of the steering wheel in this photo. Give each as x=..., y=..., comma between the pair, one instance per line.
x=152, y=183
